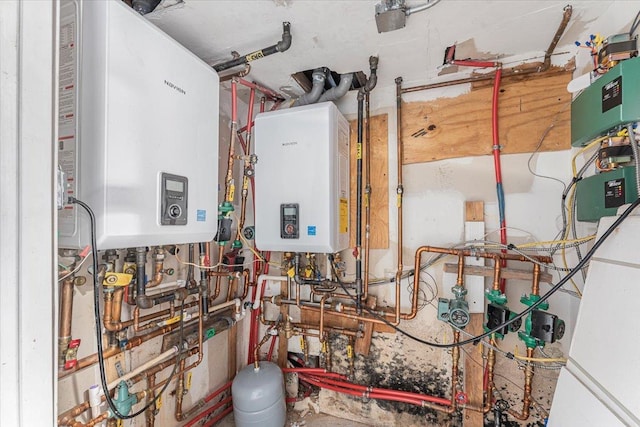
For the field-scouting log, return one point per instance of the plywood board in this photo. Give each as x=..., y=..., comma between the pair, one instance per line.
x=379, y=229
x=447, y=128
x=473, y=375
x=473, y=371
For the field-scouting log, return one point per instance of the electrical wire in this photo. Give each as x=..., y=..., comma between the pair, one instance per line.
x=538, y=359
x=96, y=311
x=75, y=270
x=518, y=316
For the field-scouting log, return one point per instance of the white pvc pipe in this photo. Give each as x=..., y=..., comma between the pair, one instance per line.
x=261, y=278
x=235, y=302
x=95, y=400
x=159, y=358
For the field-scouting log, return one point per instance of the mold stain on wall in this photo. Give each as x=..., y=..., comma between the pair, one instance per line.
x=389, y=366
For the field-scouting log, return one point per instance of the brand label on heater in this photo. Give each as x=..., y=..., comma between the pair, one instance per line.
x=614, y=193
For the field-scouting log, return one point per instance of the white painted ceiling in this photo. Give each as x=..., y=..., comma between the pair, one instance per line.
x=342, y=35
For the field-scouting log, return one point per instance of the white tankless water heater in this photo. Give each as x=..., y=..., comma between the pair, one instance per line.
x=138, y=131
x=302, y=179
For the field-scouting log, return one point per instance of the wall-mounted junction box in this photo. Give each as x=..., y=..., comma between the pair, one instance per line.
x=602, y=194
x=610, y=101
x=302, y=179
x=138, y=131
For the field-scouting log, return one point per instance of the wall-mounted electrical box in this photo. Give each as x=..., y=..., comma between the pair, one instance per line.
x=602, y=194
x=138, y=131
x=302, y=179
x=610, y=101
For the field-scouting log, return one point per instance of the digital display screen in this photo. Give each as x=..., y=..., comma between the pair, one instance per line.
x=289, y=211
x=177, y=186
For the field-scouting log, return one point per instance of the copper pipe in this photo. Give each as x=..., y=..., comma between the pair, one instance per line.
x=399, y=192
x=497, y=270
x=218, y=273
x=455, y=359
x=526, y=399
x=158, y=268
x=321, y=330
x=112, y=351
x=367, y=195
x=113, y=309
x=228, y=193
x=77, y=410
x=180, y=392
x=151, y=410
x=199, y=350
x=66, y=314
x=491, y=362
x=460, y=279
x=566, y=16
x=247, y=164
x=245, y=285
x=256, y=351
x=90, y=423
x=231, y=283
x=137, y=319
x=161, y=366
x=535, y=287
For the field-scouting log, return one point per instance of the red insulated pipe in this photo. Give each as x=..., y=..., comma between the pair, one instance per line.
x=268, y=92
x=496, y=147
x=234, y=101
x=314, y=371
x=498, y=167
x=210, y=397
x=385, y=392
x=367, y=395
x=207, y=411
x=218, y=417
x=252, y=98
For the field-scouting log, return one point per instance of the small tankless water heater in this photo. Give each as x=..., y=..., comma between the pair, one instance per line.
x=138, y=131
x=302, y=179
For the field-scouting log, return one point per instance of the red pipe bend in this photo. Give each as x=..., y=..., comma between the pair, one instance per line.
x=381, y=391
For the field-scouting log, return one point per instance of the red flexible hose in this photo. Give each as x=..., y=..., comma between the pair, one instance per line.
x=234, y=101
x=252, y=98
x=207, y=411
x=351, y=392
x=382, y=391
x=498, y=167
x=218, y=417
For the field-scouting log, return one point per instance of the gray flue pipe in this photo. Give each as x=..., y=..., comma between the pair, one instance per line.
x=340, y=90
x=318, y=77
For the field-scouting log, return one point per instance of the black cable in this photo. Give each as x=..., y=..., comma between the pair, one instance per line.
x=96, y=312
x=520, y=315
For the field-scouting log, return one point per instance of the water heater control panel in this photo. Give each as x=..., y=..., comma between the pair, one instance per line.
x=173, y=196
x=289, y=221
